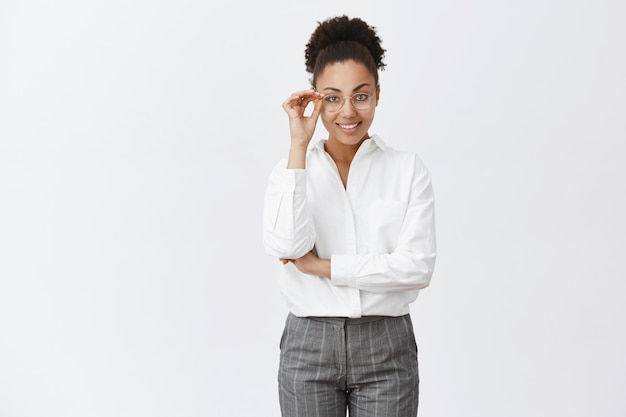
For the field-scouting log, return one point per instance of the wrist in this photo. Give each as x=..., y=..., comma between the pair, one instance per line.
x=323, y=268
x=297, y=157
x=299, y=145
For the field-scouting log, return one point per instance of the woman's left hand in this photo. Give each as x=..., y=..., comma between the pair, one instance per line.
x=311, y=264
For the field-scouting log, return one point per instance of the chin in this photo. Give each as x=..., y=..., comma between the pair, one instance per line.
x=351, y=139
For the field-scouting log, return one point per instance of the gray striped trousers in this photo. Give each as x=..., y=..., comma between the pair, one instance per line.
x=367, y=366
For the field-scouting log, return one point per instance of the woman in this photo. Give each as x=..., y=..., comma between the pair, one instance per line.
x=352, y=220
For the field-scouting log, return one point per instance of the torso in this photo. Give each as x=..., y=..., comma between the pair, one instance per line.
x=344, y=169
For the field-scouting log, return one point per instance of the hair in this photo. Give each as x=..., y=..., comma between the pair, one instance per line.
x=341, y=39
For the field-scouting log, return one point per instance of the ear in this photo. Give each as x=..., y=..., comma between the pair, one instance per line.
x=377, y=93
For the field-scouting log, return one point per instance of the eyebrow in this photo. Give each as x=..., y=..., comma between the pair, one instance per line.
x=355, y=89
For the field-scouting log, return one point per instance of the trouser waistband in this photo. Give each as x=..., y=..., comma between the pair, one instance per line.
x=346, y=321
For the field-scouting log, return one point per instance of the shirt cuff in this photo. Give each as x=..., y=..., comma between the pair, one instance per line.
x=341, y=271
x=295, y=179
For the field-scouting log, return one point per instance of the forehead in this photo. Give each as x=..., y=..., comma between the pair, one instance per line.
x=344, y=77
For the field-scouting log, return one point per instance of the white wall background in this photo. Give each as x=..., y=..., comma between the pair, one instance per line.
x=135, y=143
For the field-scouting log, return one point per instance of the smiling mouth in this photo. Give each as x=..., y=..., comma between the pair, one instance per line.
x=352, y=126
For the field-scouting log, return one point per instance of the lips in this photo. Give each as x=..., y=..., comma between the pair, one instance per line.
x=349, y=127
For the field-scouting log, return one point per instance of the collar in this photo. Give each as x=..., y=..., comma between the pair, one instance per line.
x=370, y=143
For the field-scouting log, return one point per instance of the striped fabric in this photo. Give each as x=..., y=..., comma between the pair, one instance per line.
x=367, y=366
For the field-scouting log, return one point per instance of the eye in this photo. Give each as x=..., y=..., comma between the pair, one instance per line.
x=331, y=99
x=361, y=96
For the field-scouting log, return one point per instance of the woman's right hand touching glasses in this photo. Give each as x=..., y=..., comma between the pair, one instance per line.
x=301, y=127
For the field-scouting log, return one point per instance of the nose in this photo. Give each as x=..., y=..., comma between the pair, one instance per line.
x=347, y=110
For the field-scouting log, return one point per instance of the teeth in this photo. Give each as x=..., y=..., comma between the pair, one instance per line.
x=349, y=126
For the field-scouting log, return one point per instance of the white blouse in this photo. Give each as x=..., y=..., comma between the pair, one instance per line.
x=378, y=232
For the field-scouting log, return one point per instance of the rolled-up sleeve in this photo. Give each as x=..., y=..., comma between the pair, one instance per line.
x=288, y=230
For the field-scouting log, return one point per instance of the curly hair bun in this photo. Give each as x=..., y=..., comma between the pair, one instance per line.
x=343, y=30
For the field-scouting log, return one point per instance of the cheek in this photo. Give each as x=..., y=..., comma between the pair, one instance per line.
x=327, y=120
x=369, y=116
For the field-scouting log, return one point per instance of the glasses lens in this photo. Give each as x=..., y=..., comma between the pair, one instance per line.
x=333, y=103
x=361, y=101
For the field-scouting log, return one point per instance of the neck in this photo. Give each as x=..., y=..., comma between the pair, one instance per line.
x=341, y=153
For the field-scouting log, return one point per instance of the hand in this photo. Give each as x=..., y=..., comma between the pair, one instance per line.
x=302, y=127
x=311, y=264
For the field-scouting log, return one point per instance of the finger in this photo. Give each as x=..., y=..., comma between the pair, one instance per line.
x=295, y=105
x=304, y=96
x=315, y=99
x=293, y=101
x=305, y=93
x=317, y=109
x=311, y=95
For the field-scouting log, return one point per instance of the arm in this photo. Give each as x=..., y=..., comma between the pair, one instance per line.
x=301, y=127
x=311, y=264
x=288, y=231
x=410, y=265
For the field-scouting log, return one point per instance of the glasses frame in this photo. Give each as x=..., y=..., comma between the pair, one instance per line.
x=343, y=101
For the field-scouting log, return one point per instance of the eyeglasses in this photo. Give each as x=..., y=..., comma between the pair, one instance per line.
x=360, y=101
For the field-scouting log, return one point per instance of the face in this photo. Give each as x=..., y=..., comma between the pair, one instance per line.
x=347, y=126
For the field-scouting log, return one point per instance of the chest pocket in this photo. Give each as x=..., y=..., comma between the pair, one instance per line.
x=385, y=222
